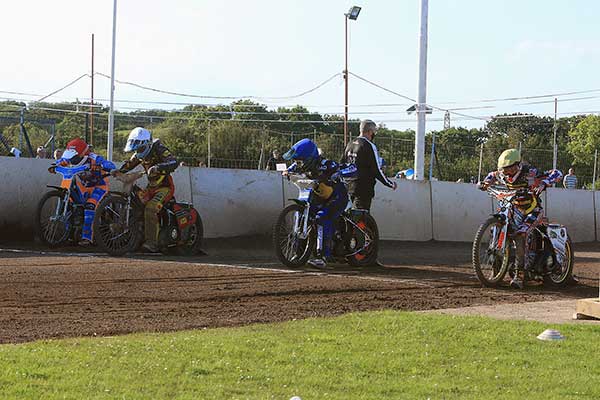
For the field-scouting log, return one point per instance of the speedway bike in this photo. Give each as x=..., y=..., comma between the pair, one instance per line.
x=355, y=237
x=60, y=212
x=548, y=255
x=119, y=222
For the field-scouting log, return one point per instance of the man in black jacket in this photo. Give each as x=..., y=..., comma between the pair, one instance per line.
x=363, y=153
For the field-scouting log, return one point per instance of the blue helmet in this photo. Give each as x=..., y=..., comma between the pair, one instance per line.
x=305, y=151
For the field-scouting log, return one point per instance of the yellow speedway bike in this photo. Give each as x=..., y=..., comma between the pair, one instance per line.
x=548, y=255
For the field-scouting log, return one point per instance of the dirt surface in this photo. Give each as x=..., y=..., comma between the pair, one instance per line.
x=65, y=293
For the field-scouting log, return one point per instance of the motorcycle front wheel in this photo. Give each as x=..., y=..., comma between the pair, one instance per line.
x=52, y=226
x=490, y=264
x=292, y=250
x=115, y=226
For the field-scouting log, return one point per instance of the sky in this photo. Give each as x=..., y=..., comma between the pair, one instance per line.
x=477, y=50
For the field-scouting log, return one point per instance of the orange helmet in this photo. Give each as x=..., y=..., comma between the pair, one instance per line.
x=76, y=151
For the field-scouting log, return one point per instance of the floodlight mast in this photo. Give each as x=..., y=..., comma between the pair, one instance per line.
x=421, y=106
x=353, y=15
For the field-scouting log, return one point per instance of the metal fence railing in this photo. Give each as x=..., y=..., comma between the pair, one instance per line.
x=238, y=144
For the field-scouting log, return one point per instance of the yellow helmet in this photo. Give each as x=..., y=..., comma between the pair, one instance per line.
x=508, y=158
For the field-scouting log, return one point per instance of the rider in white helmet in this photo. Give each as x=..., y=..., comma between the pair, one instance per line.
x=158, y=162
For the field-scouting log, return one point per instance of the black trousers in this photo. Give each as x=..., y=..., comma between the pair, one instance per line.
x=361, y=202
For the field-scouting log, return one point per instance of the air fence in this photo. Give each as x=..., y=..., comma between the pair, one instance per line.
x=238, y=202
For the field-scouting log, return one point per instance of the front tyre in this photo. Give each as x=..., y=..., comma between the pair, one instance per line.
x=562, y=270
x=51, y=224
x=489, y=263
x=115, y=226
x=363, y=243
x=291, y=249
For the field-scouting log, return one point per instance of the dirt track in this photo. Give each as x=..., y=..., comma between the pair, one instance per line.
x=55, y=295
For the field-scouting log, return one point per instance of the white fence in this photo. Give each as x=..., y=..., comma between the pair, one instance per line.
x=243, y=202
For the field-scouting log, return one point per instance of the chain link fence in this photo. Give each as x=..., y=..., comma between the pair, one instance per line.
x=236, y=144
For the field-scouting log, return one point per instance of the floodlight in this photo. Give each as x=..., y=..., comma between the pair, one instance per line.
x=353, y=13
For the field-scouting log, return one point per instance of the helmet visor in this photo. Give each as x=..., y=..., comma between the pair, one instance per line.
x=290, y=154
x=69, y=154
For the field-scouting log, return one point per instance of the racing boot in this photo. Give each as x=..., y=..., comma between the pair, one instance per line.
x=151, y=247
x=318, y=262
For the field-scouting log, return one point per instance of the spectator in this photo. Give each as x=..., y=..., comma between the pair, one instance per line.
x=201, y=164
x=570, y=180
x=41, y=152
x=274, y=160
x=58, y=154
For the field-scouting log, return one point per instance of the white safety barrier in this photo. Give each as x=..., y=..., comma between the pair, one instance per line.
x=244, y=202
x=235, y=202
x=573, y=208
x=404, y=213
x=458, y=209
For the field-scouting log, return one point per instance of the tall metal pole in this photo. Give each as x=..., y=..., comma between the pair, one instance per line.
x=92, y=98
x=208, y=155
x=346, y=84
x=111, y=122
x=432, y=156
x=480, y=163
x=555, y=148
x=422, y=95
x=595, y=169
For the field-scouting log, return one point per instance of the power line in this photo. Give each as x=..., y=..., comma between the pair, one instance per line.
x=66, y=86
x=222, y=97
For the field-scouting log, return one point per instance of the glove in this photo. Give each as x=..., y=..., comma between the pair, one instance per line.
x=540, y=188
x=482, y=186
x=153, y=170
x=52, y=169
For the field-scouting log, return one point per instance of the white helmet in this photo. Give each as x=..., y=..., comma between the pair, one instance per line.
x=140, y=141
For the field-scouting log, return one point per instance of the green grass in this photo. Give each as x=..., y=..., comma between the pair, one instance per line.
x=377, y=355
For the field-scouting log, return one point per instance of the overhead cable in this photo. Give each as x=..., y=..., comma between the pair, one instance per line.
x=222, y=97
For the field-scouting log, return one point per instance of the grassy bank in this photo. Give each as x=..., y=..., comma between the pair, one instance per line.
x=358, y=356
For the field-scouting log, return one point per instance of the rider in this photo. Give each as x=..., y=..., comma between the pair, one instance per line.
x=78, y=153
x=158, y=163
x=515, y=175
x=330, y=193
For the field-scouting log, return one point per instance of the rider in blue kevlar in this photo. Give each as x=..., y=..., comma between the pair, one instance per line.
x=330, y=193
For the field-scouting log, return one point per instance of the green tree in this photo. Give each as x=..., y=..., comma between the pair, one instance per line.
x=585, y=139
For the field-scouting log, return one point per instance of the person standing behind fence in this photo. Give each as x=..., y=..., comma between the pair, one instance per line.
x=274, y=160
x=570, y=180
x=363, y=153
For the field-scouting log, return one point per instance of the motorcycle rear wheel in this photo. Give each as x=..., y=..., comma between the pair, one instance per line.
x=192, y=246
x=290, y=249
x=563, y=277
x=367, y=256
x=52, y=229
x=484, y=256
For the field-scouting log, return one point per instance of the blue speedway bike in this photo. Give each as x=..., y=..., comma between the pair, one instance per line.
x=59, y=214
x=355, y=238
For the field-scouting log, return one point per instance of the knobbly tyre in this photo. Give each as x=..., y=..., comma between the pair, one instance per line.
x=119, y=222
x=548, y=256
x=60, y=212
x=355, y=238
